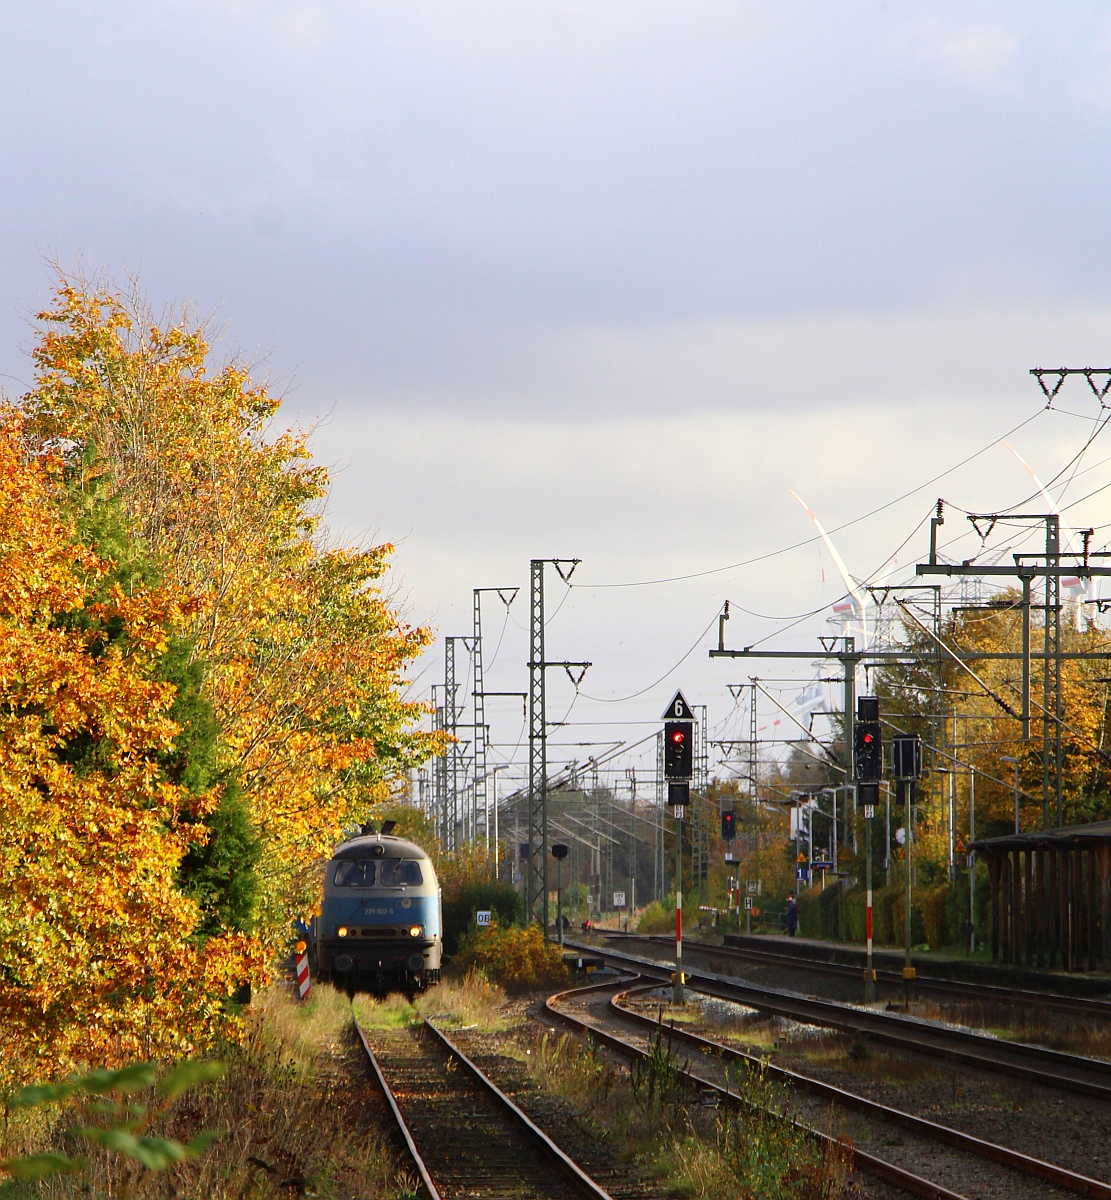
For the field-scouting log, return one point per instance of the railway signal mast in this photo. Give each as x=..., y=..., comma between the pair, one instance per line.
x=678, y=769
x=906, y=764
x=869, y=768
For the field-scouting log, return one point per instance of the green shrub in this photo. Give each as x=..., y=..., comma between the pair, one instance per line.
x=499, y=899
x=818, y=911
x=659, y=916
x=112, y=1112
x=518, y=959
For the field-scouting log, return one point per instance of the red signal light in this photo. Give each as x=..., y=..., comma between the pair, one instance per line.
x=867, y=739
x=678, y=761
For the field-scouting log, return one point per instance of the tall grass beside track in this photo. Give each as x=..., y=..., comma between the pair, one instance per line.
x=292, y=1111
x=646, y=1115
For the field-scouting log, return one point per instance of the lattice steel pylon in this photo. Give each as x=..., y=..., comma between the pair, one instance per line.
x=451, y=712
x=753, y=767
x=754, y=733
x=481, y=830
x=439, y=776
x=1051, y=690
x=536, y=891
x=481, y=794
x=702, y=790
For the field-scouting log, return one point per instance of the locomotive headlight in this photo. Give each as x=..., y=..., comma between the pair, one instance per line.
x=341, y=931
x=414, y=930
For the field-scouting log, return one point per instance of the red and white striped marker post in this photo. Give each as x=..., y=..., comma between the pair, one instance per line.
x=677, y=983
x=301, y=970
x=869, y=814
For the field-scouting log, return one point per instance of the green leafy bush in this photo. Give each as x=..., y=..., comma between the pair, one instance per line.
x=107, y=1117
x=518, y=959
x=499, y=899
x=659, y=916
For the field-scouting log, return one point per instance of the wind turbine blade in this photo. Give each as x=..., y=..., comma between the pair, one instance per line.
x=850, y=583
x=1066, y=533
x=1078, y=588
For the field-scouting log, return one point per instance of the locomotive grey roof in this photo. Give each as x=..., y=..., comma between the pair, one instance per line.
x=374, y=845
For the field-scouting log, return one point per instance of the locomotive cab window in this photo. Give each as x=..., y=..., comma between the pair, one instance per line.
x=400, y=872
x=354, y=872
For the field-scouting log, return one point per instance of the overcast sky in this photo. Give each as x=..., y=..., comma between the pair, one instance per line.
x=600, y=281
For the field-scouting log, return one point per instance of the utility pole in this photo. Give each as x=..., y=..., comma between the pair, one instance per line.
x=631, y=775
x=971, y=861
x=752, y=819
x=495, y=834
x=536, y=892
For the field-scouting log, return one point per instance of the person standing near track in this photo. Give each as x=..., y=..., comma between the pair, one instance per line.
x=792, y=915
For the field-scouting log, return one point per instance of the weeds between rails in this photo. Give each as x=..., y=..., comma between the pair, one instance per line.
x=999, y=1149
x=737, y=1154
x=641, y=1114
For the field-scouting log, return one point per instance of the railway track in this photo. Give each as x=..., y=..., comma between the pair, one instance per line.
x=924, y=984
x=462, y=1134
x=1035, y=1064
x=965, y=1162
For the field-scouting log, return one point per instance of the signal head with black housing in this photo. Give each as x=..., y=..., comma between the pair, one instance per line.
x=868, y=739
x=868, y=796
x=906, y=755
x=678, y=749
x=728, y=826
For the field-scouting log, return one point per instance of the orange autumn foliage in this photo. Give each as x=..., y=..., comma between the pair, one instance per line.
x=97, y=963
x=304, y=657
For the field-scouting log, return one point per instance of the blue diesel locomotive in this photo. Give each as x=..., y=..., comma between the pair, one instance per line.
x=380, y=923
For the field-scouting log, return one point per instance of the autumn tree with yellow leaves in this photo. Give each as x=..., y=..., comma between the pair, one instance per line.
x=97, y=959
x=971, y=713
x=200, y=692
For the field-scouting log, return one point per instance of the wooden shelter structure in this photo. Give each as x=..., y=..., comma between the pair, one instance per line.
x=1051, y=896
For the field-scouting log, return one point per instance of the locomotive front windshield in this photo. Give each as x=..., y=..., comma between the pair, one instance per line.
x=400, y=872
x=389, y=872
